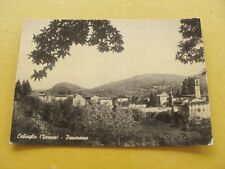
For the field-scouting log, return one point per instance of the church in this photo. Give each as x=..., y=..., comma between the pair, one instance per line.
x=198, y=107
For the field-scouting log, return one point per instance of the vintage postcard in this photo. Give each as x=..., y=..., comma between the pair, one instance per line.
x=111, y=83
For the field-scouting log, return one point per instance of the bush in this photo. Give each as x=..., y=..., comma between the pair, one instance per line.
x=164, y=116
x=138, y=115
x=100, y=123
x=107, y=126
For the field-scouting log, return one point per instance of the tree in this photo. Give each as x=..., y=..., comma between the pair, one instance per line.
x=109, y=127
x=18, y=90
x=138, y=115
x=55, y=40
x=191, y=85
x=188, y=86
x=190, y=48
x=152, y=100
x=170, y=99
x=26, y=88
x=134, y=99
x=178, y=93
x=184, y=89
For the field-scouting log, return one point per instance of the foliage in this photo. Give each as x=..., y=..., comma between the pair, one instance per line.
x=191, y=46
x=18, y=91
x=170, y=99
x=203, y=126
x=26, y=87
x=124, y=103
x=165, y=116
x=188, y=86
x=177, y=93
x=138, y=115
x=55, y=40
x=107, y=125
x=99, y=122
x=134, y=100
x=22, y=90
x=31, y=106
x=58, y=113
x=181, y=118
x=152, y=99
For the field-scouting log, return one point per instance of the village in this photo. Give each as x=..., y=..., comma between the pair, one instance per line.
x=198, y=106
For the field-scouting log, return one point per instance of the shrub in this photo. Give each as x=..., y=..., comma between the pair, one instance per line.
x=138, y=115
x=165, y=116
x=107, y=126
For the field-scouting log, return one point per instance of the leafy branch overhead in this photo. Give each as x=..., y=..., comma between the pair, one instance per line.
x=55, y=40
x=190, y=48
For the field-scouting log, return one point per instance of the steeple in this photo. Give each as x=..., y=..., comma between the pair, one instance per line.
x=197, y=88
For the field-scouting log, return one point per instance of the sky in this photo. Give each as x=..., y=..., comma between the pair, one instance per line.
x=150, y=46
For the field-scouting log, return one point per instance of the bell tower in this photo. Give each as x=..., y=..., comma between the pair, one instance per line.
x=197, y=88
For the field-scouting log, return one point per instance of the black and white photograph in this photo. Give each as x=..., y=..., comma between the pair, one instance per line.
x=112, y=83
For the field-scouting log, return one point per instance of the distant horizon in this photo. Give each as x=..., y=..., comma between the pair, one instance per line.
x=109, y=82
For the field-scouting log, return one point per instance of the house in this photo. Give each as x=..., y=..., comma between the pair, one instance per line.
x=78, y=100
x=45, y=97
x=198, y=108
x=122, y=99
x=95, y=99
x=106, y=101
x=162, y=99
x=137, y=106
x=60, y=97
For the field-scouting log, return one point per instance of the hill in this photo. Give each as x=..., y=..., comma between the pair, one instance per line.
x=141, y=85
x=65, y=88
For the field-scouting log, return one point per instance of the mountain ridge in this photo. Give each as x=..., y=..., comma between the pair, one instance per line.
x=141, y=85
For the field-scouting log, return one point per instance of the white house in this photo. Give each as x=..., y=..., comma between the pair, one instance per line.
x=162, y=99
x=105, y=100
x=45, y=97
x=198, y=108
x=122, y=99
x=137, y=106
x=60, y=97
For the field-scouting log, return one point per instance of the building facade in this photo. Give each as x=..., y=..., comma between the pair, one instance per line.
x=198, y=107
x=162, y=99
x=106, y=101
